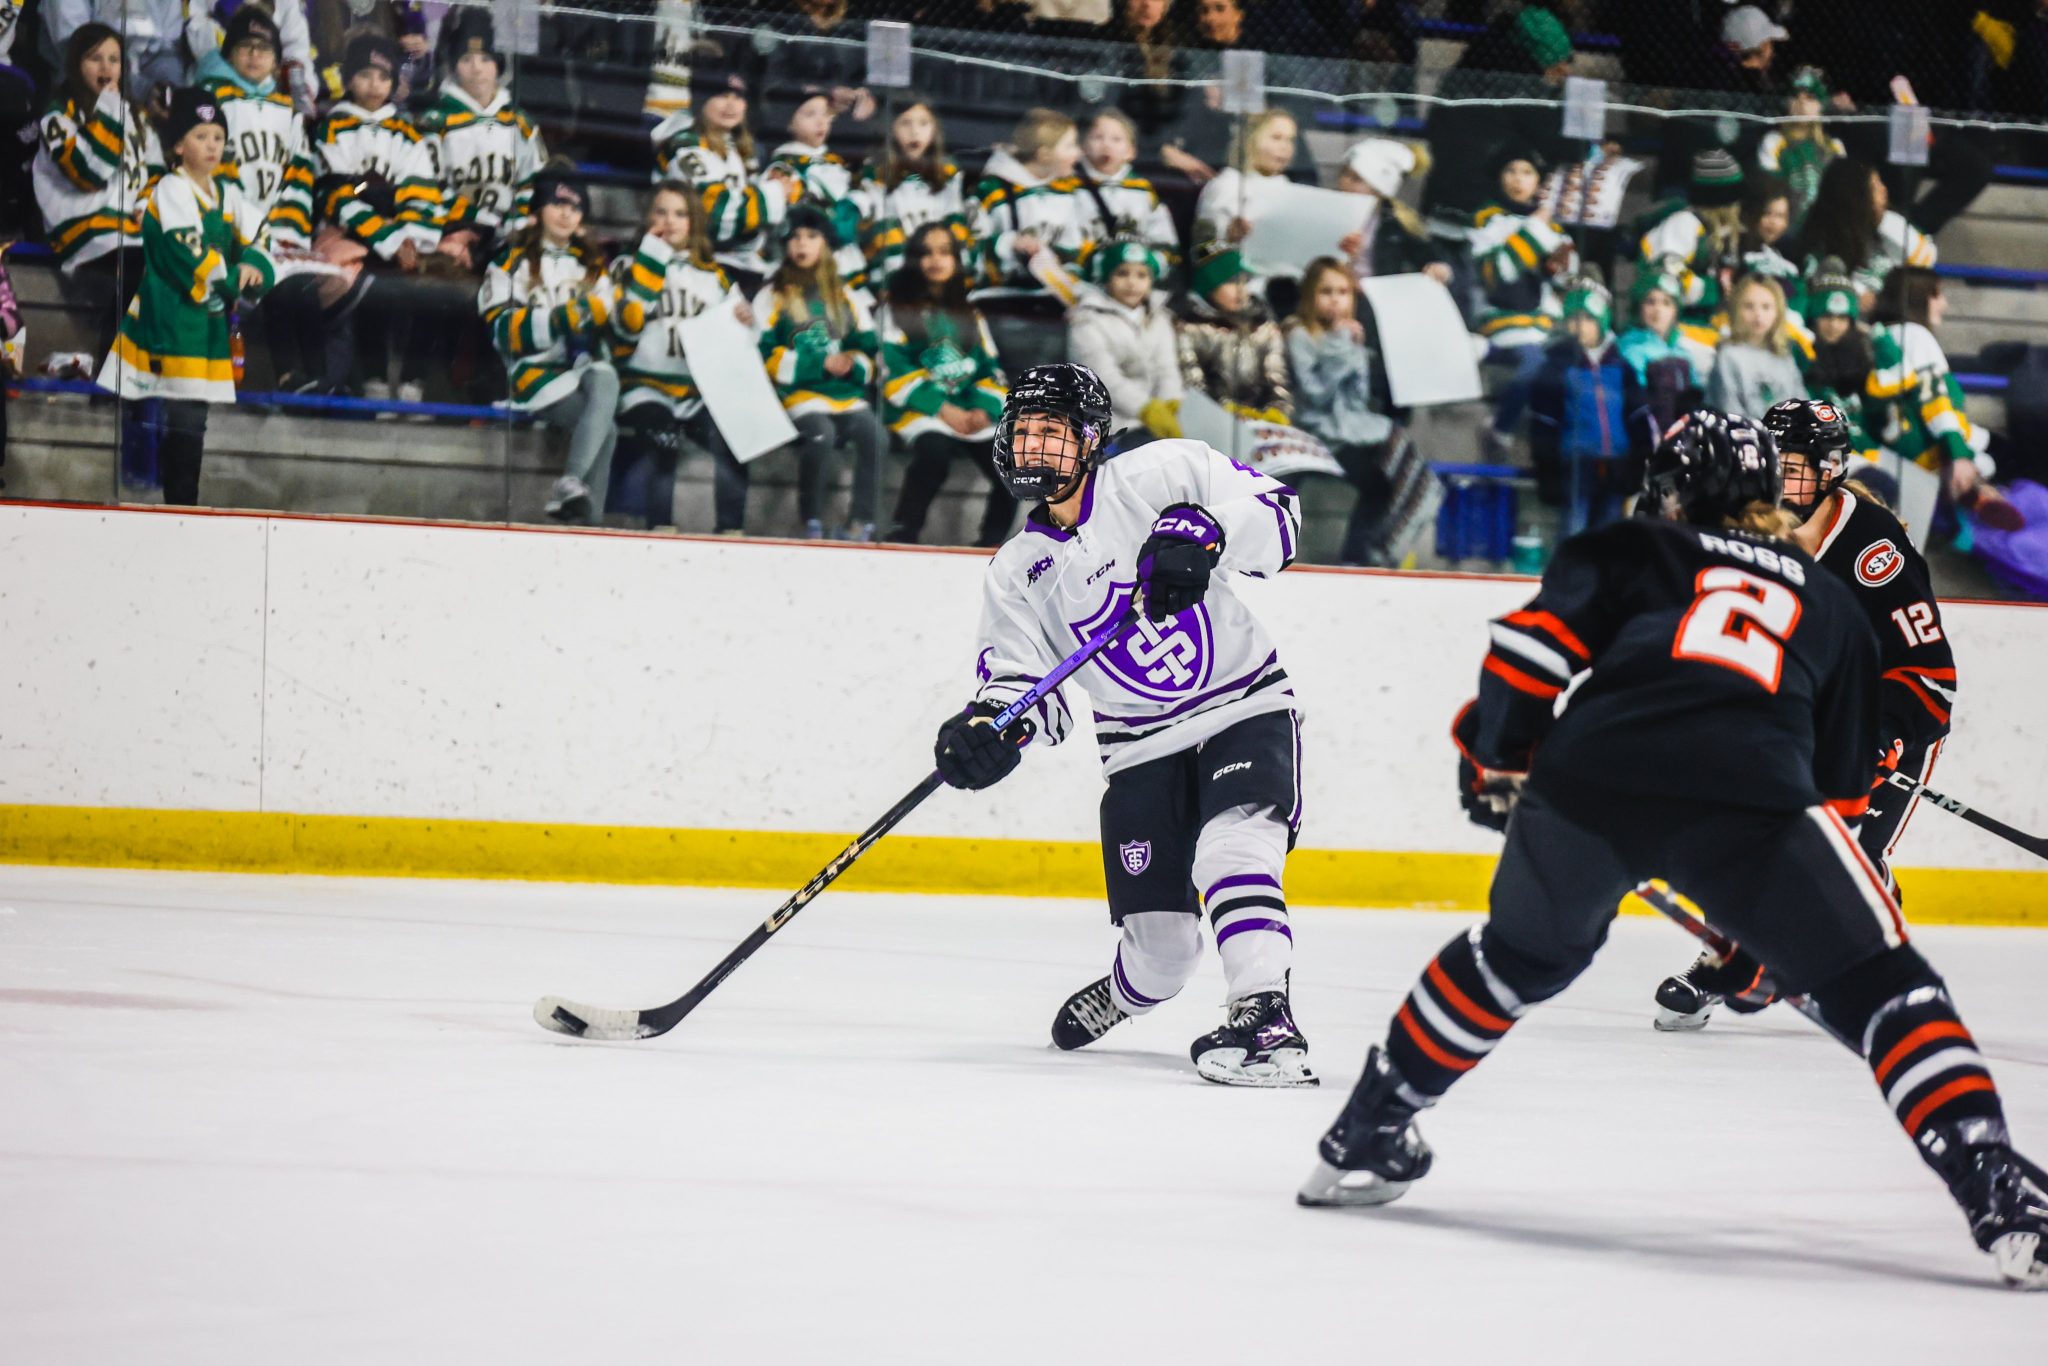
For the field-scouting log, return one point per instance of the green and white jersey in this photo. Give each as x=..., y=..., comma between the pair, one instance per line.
x=485, y=158
x=659, y=289
x=1800, y=162
x=549, y=314
x=932, y=357
x=827, y=183
x=734, y=208
x=1915, y=406
x=891, y=217
x=265, y=137
x=92, y=177
x=349, y=149
x=1010, y=201
x=1118, y=203
x=799, y=336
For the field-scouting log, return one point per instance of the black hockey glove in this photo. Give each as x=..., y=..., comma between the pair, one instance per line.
x=1175, y=562
x=972, y=753
x=1488, y=795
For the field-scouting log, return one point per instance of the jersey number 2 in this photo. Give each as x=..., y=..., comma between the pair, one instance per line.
x=1739, y=621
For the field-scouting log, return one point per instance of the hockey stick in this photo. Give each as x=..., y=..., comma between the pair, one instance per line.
x=1660, y=898
x=2036, y=845
x=598, y=1022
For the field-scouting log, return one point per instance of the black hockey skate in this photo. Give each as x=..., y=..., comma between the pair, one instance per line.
x=1686, y=1001
x=1088, y=1014
x=1259, y=1045
x=1373, y=1153
x=2004, y=1196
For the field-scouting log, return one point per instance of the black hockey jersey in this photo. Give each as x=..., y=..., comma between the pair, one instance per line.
x=1866, y=548
x=1725, y=668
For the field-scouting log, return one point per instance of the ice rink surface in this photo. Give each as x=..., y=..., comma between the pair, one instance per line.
x=309, y=1120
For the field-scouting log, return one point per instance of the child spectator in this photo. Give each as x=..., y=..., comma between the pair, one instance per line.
x=1114, y=203
x=818, y=340
x=1916, y=406
x=547, y=300
x=805, y=168
x=942, y=387
x=1259, y=157
x=1519, y=254
x=909, y=184
x=1587, y=415
x=1852, y=221
x=202, y=251
x=1840, y=369
x=485, y=152
x=1766, y=230
x=1122, y=330
x=1702, y=233
x=1799, y=152
x=96, y=164
x=1333, y=400
x=1394, y=240
x=1755, y=368
x=1230, y=347
x=205, y=33
x=1670, y=359
x=1023, y=219
x=670, y=279
x=710, y=146
x=265, y=134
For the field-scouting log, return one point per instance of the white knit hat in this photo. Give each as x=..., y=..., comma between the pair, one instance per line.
x=1381, y=163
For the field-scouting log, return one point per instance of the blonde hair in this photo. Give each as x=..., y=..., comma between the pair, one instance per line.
x=1247, y=136
x=794, y=284
x=1765, y=519
x=1312, y=280
x=1038, y=130
x=1779, y=339
x=1723, y=223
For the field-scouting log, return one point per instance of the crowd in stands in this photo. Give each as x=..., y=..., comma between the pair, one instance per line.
x=354, y=192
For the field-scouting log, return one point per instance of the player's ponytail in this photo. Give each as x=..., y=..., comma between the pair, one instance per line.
x=1765, y=519
x=1865, y=493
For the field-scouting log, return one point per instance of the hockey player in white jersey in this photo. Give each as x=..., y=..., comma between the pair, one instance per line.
x=1197, y=723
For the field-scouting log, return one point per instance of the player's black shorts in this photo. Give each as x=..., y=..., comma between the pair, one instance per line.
x=1882, y=825
x=1153, y=812
x=1793, y=887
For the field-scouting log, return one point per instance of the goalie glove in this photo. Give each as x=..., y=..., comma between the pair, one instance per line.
x=1487, y=794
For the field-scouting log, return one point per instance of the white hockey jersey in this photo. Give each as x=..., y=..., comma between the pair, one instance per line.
x=1119, y=203
x=659, y=289
x=1164, y=686
x=485, y=157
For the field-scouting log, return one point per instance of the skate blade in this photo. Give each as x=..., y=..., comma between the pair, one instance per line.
x=2019, y=1261
x=1227, y=1067
x=1673, y=1022
x=1331, y=1187
x=588, y=1022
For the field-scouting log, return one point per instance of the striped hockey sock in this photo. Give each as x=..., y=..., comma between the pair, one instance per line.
x=1253, y=939
x=1457, y=1012
x=1154, y=960
x=1927, y=1064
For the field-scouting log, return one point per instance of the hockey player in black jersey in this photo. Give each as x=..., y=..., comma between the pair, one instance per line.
x=1725, y=721
x=1857, y=540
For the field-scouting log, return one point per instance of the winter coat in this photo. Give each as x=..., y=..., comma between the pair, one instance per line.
x=1749, y=379
x=1240, y=359
x=932, y=357
x=1642, y=348
x=1585, y=407
x=1133, y=350
x=1333, y=388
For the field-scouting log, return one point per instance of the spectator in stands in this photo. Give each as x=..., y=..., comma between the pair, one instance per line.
x=839, y=69
x=96, y=162
x=1260, y=154
x=1852, y=221
x=1702, y=231
x=202, y=253
x=295, y=74
x=1915, y=405
x=1840, y=369
x=1670, y=359
x=1799, y=152
x=818, y=340
x=548, y=302
x=1766, y=232
x=1331, y=376
x=1755, y=367
x=909, y=184
x=942, y=385
x=1394, y=240
x=668, y=280
x=1114, y=202
x=1752, y=37
x=1122, y=330
x=1587, y=424
x=1230, y=347
x=1523, y=53
x=1520, y=255
x=488, y=151
x=1169, y=116
x=1219, y=24
x=2008, y=61
x=710, y=146
x=1385, y=34
x=1023, y=219
x=820, y=177
x=19, y=105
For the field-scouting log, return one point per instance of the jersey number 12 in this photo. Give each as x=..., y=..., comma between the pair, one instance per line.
x=1739, y=621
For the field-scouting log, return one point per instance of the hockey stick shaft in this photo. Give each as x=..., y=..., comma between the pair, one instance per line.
x=2036, y=845
x=566, y=1017
x=1661, y=900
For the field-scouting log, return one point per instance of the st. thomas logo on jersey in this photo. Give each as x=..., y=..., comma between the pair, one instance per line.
x=1160, y=661
x=1137, y=856
x=1879, y=564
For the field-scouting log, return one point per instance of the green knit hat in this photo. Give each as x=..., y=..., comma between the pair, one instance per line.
x=1591, y=298
x=1542, y=36
x=1831, y=293
x=1102, y=263
x=1661, y=277
x=1811, y=80
x=1219, y=267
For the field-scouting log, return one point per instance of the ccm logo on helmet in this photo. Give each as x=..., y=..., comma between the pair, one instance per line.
x=1879, y=564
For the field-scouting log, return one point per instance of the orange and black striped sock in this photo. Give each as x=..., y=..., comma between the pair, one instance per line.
x=1457, y=1012
x=1927, y=1064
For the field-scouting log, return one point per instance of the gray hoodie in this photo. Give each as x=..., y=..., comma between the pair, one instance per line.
x=1749, y=379
x=1333, y=388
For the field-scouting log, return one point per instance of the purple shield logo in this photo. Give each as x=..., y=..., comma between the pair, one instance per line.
x=1161, y=661
x=1137, y=856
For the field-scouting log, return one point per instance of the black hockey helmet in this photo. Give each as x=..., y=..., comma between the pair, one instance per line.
x=1036, y=463
x=1819, y=431
x=1709, y=467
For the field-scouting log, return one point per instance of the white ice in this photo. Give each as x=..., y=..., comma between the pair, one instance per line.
x=309, y=1121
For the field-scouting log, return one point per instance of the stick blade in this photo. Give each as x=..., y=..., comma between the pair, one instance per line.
x=589, y=1022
